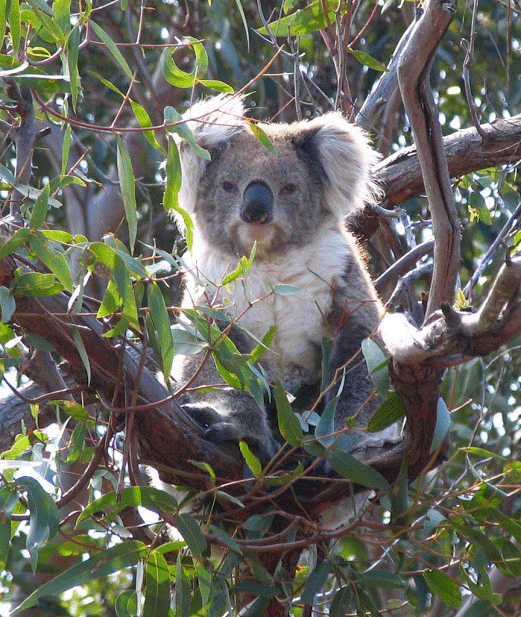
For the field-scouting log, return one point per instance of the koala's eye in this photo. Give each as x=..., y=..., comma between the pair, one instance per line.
x=288, y=189
x=228, y=186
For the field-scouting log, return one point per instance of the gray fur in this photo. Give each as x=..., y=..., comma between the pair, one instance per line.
x=318, y=175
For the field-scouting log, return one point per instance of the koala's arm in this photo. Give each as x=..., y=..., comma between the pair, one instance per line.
x=355, y=316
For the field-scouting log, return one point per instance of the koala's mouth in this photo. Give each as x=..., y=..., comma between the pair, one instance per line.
x=249, y=233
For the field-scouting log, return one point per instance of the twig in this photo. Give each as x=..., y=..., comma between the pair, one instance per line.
x=493, y=249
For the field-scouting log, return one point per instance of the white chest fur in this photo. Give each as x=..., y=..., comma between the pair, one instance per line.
x=255, y=302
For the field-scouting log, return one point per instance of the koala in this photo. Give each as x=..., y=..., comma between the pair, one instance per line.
x=290, y=202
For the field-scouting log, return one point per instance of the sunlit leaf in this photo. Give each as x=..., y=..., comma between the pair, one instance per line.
x=53, y=259
x=368, y=60
x=39, y=211
x=112, y=47
x=128, y=189
x=161, y=321
x=289, y=425
x=157, y=580
x=444, y=587
x=36, y=284
x=389, y=412
x=148, y=497
x=100, y=566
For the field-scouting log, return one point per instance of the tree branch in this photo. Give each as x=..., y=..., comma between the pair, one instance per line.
x=413, y=77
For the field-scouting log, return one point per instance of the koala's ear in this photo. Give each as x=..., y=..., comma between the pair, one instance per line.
x=213, y=123
x=346, y=158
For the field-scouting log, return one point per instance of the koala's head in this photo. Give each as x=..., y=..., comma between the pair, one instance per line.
x=246, y=193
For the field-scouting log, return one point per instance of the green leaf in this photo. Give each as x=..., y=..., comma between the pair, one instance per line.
x=14, y=26
x=306, y=20
x=126, y=604
x=144, y=122
x=368, y=60
x=389, y=412
x=78, y=341
x=148, y=497
x=172, y=73
x=183, y=597
x=315, y=582
x=7, y=304
x=39, y=212
x=36, y=284
x=442, y=425
x=72, y=65
x=157, y=580
x=381, y=579
x=161, y=321
x=215, y=84
x=262, y=137
x=285, y=290
x=251, y=460
x=43, y=524
x=225, y=538
x=128, y=189
x=289, y=425
x=377, y=366
x=341, y=602
x=177, y=124
x=481, y=608
x=3, y=19
x=482, y=452
x=62, y=14
x=325, y=429
x=444, y=587
x=349, y=467
x=108, y=561
x=48, y=22
x=105, y=38
x=53, y=259
x=191, y=532
x=172, y=186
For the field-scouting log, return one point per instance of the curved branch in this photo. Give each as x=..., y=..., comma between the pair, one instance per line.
x=413, y=78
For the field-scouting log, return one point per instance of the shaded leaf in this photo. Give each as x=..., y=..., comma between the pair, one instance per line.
x=43, y=523
x=191, y=532
x=349, y=467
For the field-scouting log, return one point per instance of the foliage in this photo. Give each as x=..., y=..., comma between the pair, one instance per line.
x=92, y=224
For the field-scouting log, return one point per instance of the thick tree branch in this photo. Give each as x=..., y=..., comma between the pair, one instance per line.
x=400, y=174
x=451, y=337
x=413, y=78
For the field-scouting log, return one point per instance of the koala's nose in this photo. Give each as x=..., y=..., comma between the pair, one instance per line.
x=257, y=203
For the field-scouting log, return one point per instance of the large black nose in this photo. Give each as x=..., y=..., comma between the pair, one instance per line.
x=257, y=203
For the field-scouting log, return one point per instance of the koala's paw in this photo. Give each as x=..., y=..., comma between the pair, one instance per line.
x=218, y=429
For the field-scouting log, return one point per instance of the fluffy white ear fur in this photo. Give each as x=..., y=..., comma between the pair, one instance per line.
x=212, y=122
x=346, y=157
